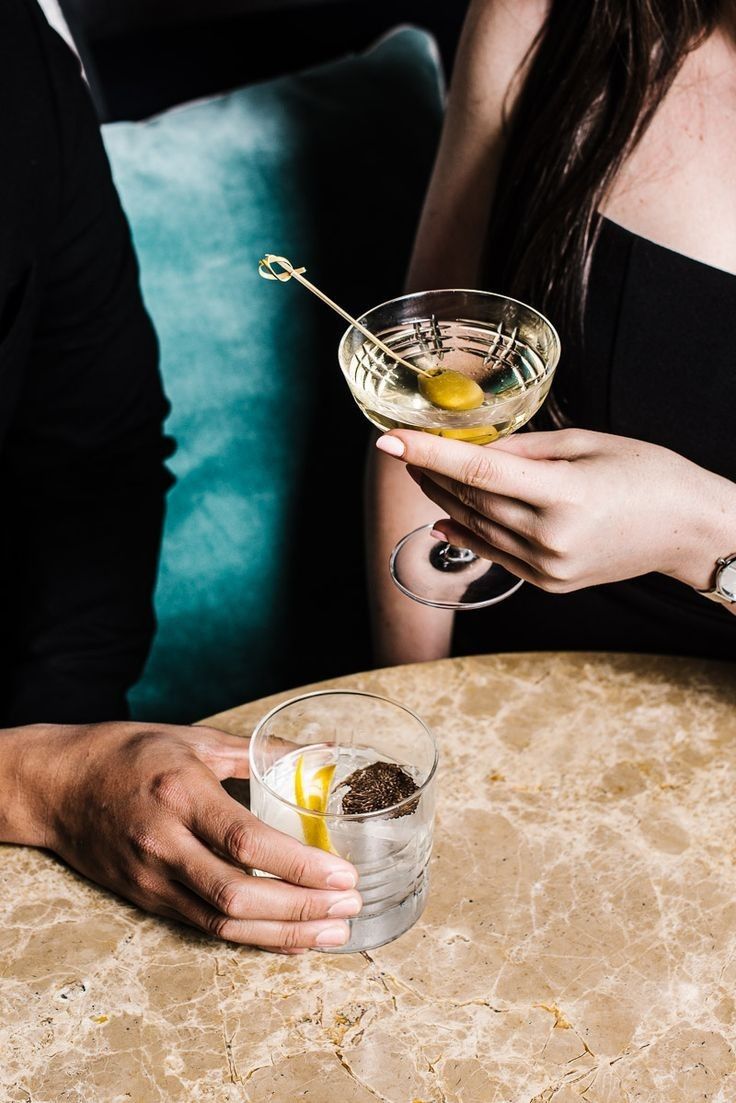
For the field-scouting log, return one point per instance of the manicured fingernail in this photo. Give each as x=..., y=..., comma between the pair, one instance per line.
x=437, y=535
x=392, y=445
x=341, y=879
x=336, y=935
x=344, y=908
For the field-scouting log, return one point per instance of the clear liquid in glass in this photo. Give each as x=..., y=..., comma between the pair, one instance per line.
x=391, y=852
x=515, y=380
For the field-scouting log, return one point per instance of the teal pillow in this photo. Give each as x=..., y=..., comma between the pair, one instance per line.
x=260, y=578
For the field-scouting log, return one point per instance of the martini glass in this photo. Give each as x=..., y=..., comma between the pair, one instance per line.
x=509, y=349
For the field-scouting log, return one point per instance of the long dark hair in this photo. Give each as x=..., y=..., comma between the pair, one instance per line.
x=596, y=73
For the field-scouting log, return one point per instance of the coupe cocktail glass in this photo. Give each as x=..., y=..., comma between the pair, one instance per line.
x=510, y=350
x=307, y=760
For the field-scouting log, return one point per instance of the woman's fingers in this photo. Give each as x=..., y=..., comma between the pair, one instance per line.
x=463, y=538
x=485, y=468
x=181, y=904
x=509, y=512
x=558, y=444
x=227, y=827
x=238, y=895
x=496, y=537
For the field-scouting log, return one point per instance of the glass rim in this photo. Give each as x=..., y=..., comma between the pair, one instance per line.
x=345, y=816
x=457, y=291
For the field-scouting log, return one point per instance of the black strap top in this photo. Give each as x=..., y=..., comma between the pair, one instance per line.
x=656, y=362
x=658, y=357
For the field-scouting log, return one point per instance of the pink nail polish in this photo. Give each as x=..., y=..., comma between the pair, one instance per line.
x=437, y=535
x=391, y=445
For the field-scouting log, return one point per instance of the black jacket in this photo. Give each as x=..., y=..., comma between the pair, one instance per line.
x=82, y=477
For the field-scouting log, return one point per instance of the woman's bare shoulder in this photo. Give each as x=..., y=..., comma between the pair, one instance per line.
x=496, y=39
x=513, y=18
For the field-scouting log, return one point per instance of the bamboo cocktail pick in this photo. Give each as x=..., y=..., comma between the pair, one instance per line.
x=266, y=270
x=442, y=387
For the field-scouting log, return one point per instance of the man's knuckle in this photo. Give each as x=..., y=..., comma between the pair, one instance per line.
x=144, y=881
x=303, y=908
x=219, y=925
x=241, y=842
x=168, y=788
x=146, y=845
x=228, y=898
x=289, y=936
x=297, y=868
x=139, y=740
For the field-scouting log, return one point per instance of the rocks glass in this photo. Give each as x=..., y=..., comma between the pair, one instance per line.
x=353, y=773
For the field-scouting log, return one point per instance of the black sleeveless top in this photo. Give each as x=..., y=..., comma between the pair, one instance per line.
x=657, y=362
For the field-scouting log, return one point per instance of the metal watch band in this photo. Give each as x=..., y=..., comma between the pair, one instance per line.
x=717, y=593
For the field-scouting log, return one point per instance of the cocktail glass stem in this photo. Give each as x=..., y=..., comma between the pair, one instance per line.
x=449, y=557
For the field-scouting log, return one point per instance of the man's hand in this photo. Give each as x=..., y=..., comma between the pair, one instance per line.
x=140, y=809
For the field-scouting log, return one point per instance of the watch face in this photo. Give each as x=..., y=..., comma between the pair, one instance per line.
x=727, y=581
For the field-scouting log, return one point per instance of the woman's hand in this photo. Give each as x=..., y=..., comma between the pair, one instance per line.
x=573, y=508
x=140, y=809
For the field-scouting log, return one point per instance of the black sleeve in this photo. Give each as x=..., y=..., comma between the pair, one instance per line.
x=83, y=475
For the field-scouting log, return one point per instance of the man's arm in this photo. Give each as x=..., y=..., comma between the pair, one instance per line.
x=138, y=808
x=83, y=477
x=141, y=810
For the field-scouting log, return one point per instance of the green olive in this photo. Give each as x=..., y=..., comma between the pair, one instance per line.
x=450, y=390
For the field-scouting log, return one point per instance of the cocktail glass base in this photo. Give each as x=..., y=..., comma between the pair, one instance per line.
x=439, y=574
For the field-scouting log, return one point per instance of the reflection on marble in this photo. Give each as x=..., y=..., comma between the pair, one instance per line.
x=580, y=941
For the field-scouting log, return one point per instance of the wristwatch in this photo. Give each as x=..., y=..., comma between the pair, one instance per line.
x=724, y=588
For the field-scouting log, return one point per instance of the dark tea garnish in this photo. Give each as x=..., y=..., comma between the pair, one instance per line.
x=380, y=785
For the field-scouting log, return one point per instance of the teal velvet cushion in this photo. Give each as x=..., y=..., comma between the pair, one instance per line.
x=260, y=579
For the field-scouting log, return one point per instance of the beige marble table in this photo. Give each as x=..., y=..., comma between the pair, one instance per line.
x=580, y=941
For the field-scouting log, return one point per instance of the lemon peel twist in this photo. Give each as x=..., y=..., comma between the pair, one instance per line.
x=313, y=797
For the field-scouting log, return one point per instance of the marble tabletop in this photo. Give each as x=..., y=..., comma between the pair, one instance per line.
x=579, y=943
